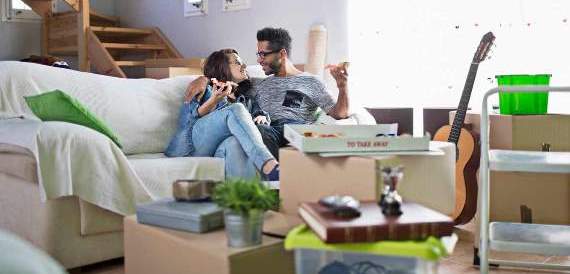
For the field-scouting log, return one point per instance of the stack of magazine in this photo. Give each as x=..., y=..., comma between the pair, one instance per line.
x=198, y=216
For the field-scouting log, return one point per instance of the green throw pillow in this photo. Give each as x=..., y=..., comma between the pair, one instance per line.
x=58, y=106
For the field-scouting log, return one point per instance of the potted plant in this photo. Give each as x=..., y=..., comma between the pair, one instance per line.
x=245, y=202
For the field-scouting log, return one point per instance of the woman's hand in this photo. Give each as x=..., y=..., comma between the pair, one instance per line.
x=221, y=90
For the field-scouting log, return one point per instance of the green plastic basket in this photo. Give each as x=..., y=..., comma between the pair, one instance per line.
x=523, y=103
x=431, y=249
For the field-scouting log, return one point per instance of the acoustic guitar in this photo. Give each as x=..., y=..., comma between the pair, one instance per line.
x=466, y=143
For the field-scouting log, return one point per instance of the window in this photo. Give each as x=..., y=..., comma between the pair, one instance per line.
x=195, y=7
x=417, y=53
x=18, y=11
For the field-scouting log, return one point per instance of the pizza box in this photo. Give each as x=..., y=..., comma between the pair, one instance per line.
x=352, y=138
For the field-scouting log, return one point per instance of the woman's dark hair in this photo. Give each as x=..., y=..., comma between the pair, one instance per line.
x=278, y=38
x=217, y=65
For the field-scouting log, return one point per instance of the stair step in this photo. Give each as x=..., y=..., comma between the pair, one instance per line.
x=74, y=4
x=100, y=17
x=133, y=46
x=65, y=51
x=64, y=14
x=95, y=18
x=121, y=31
x=130, y=63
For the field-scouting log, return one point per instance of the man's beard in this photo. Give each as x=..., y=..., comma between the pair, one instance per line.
x=274, y=67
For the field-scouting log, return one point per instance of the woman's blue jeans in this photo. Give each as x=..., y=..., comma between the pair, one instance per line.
x=234, y=120
x=236, y=162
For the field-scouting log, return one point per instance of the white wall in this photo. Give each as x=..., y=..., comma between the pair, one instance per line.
x=19, y=40
x=199, y=36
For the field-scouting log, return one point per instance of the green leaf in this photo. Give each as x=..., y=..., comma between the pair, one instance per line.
x=242, y=196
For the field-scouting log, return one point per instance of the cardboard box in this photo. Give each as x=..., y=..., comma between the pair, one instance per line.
x=150, y=249
x=278, y=224
x=167, y=68
x=161, y=73
x=523, y=132
x=428, y=179
x=547, y=195
x=174, y=62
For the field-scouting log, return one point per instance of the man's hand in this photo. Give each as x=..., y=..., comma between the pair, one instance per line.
x=339, y=73
x=260, y=120
x=195, y=87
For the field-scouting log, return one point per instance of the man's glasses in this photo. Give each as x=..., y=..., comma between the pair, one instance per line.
x=262, y=54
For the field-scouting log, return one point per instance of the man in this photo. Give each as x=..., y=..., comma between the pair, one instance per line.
x=289, y=95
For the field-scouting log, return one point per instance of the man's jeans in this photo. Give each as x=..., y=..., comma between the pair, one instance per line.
x=234, y=120
x=273, y=136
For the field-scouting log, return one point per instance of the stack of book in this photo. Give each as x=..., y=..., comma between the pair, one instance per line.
x=416, y=223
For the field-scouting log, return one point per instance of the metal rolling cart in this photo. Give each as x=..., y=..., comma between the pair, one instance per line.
x=519, y=237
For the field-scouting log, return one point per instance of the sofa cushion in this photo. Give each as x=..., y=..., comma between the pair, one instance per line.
x=59, y=106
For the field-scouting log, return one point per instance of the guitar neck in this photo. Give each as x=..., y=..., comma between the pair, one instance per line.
x=463, y=104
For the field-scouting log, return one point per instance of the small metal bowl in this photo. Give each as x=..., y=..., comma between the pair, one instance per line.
x=193, y=190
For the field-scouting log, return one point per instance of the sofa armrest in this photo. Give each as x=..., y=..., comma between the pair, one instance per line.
x=15, y=161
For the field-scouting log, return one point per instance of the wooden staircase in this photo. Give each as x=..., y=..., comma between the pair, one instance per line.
x=113, y=48
x=98, y=40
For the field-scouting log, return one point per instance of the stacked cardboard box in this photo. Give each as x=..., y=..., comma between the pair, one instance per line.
x=428, y=179
x=150, y=249
x=545, y=195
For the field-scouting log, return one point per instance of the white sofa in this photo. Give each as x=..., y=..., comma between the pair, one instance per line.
x=64, y=187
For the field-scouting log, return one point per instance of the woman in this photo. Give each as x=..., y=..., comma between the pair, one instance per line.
x=210, y=117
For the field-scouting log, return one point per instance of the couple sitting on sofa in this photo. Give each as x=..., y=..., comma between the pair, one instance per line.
x=223, y=107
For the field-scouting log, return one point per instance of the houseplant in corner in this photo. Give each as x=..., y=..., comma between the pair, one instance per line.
x=245, y=202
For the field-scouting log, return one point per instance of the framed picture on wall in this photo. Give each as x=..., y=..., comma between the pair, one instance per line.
x=231, y=5
x=195, y=7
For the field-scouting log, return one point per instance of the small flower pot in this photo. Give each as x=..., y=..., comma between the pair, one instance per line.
x=243, y=230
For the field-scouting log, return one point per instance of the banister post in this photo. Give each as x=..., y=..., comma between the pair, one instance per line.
x=82, y=27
